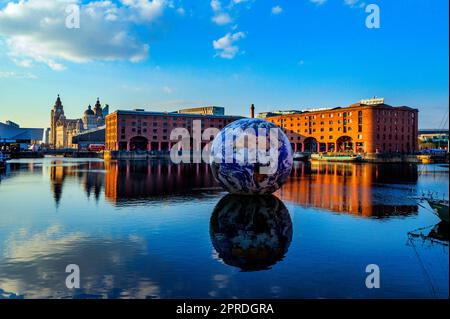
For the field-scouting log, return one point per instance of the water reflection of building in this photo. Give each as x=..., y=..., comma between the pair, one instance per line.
x=88, y=174
x=138, y=180
x=129, y=181
x=365, y=190
x=350, y=188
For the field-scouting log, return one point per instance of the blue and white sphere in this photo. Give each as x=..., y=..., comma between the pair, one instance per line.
x=242, y=174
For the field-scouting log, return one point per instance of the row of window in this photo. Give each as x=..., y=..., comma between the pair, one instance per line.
x=395, y=122
x=330, y=137
x=330, y=115
x=395, y=130
x=321, y=123
x=175, y=119
x=379, y=114
x=155, y=130
x=330, y=129
x=396, y=137
x=395, y=113
x=175, y=125
x=154, y=137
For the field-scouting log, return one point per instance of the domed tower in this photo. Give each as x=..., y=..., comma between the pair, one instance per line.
x=89, y=119
x=56, y=115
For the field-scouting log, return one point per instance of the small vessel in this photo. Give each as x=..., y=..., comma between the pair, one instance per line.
x=298, y=156
x=439, y=232
x=441, y=207
x=336, y=157
x=434, y=240
x=434, y=234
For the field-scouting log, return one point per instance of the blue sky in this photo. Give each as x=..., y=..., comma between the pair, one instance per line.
x=166, y=54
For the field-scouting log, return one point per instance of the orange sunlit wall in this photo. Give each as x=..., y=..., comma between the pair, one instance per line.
x=358, y=128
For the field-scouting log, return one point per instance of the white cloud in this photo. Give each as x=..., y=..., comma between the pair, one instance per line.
x=318, y=2
x=350, y=2
x=223, y=14
x=10, y=74
x=25, y=63
x=277, y=10
x=222, y=18
x=167, y=90
x=226, y=46
x=354, y=4
x=181, y=11
x=146, y=10
x=35, y=31
x=216, y=5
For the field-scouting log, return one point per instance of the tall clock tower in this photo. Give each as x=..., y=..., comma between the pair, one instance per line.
x=56, y=114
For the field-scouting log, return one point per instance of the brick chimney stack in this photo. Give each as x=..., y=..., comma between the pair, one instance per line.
x=252, y=111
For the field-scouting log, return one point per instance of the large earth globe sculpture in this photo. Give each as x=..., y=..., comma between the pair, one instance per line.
x=244, y=167
x=251, y=232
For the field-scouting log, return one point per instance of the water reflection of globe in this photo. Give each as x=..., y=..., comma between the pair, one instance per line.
x=246, y=177
x=251, y=232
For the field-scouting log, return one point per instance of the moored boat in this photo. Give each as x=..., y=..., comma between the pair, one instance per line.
x=298, y=156
x=336, y=157
x=441, y=207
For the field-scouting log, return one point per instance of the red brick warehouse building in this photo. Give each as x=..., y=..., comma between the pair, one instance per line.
x=150, y=131
x=369, y=126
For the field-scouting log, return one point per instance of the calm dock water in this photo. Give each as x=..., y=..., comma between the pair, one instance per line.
x=155, y=230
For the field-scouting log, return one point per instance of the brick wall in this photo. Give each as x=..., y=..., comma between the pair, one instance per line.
x=363, y=129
